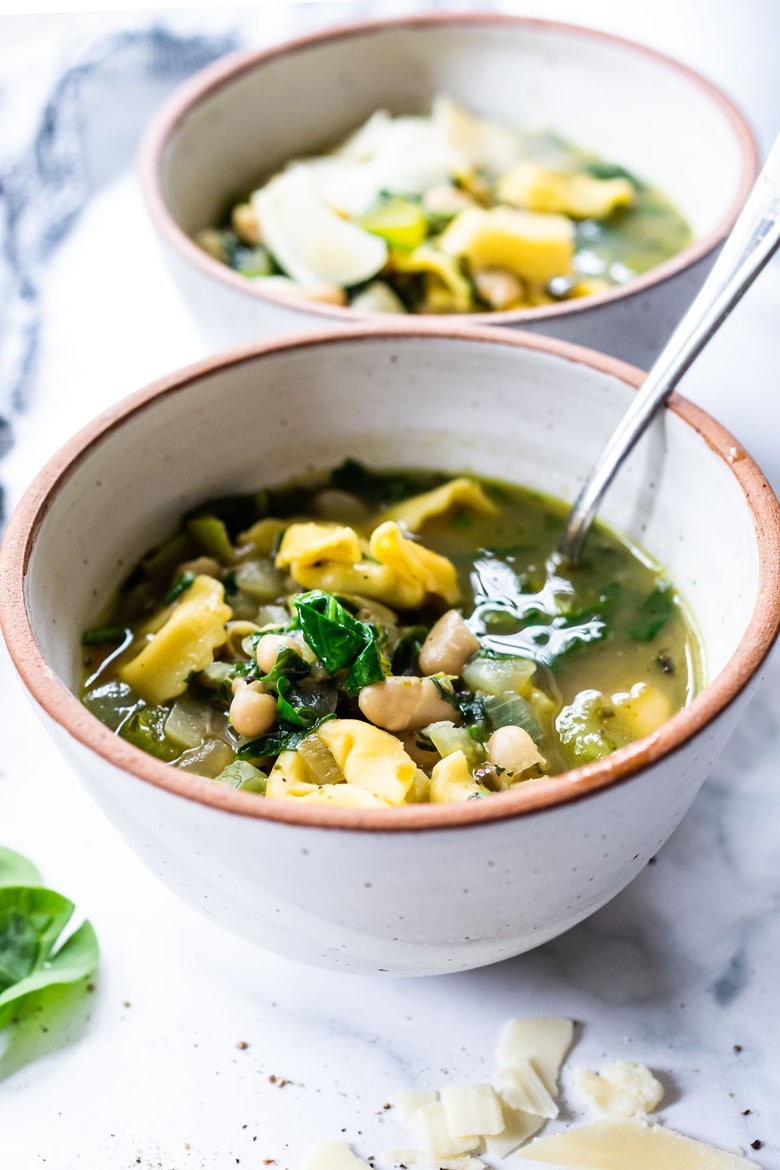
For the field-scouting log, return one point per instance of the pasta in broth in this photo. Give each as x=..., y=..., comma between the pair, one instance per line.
x=340, y=642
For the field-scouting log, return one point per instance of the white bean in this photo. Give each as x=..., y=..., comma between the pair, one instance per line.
x=512, y=749
x=202, y=566
x=404, y=703
x=499, y=287
x=450, y=643
x=268, y=648
x=252, y=712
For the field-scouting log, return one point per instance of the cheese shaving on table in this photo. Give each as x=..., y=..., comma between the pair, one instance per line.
x=621, y=1089
x=629, y=1143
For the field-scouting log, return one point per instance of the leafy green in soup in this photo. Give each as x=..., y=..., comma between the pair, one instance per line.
x=379, y=638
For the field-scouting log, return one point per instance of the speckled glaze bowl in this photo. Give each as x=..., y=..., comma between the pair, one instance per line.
x=241, y=119
x=425, y=888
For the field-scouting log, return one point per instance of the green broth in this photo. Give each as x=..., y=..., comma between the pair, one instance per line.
x=581, y=638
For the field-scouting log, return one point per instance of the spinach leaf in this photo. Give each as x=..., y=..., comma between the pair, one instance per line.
x=407, y=651
x=335, y=636
x=103, y=635
x=365, y=670
x=389, y=488
x=180, y=585
x=288, y=664
x=282, y=740
x=32, y=920
x=470, y=705
x=608, y=170
x=236, y=512
x=304, y=706
x=16, y=870
x=653, y=614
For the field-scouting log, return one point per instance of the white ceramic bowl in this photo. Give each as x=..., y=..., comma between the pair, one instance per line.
x=243, y=118
x=424, y=888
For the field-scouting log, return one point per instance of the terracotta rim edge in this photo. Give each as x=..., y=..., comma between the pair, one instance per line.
x=223, y=71
x=627, y=763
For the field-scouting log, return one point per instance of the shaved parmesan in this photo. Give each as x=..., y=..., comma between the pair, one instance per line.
x=335, y=1156
x=408, y=1101
x=421, y=1158
x=521, y=1087
x=431, y=1121
x=471, y=1109
x=545, y=1041
x=311, y=243
x=622, y=1089
x=615, y=1145
x=518, y=1128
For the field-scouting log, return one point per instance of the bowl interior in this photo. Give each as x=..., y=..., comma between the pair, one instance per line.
x=627, y=104
x=484, y=403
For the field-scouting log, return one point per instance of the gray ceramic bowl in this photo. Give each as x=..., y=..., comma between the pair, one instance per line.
x=244, y=117
x=423, y=888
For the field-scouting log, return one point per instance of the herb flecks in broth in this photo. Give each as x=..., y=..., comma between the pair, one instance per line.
x=380, y=638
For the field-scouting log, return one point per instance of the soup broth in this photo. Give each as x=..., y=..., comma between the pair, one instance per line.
x=383, y=638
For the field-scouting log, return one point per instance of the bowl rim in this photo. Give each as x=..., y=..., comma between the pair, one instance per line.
x=225, y=70
x=622, y=766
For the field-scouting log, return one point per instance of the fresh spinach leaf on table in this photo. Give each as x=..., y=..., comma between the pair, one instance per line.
x=32, y=922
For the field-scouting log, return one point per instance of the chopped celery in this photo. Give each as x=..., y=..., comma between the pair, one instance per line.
x=146, y=730
x=582, y=725
x=244, y=776
x=260, y=579
x=212, y=537
x=320, y=761
x=447, y=738
x=207, y=759
x=401, y=222
x=111, y=703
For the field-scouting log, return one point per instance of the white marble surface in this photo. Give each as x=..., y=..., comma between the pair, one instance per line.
x=677, y=971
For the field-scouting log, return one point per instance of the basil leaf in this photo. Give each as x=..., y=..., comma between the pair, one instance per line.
x=653, y=614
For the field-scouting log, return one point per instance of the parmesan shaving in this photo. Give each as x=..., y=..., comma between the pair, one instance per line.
x=439, y=1143
x=545, y=1041
x=470, y=1109
x=518, y=1128
x=408, y=1101
x=521, y=1087
x=621, y=1089
x=334, y=1156
x=616, y=1145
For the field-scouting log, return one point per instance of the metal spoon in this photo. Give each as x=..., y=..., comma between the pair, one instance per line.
x=751, y=243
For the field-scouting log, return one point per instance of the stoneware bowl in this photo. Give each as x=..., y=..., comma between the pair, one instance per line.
x=425, y=888
x=241, y=119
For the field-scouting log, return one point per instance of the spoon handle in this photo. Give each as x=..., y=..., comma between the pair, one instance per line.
x=752, y=241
